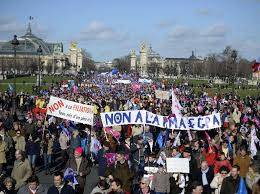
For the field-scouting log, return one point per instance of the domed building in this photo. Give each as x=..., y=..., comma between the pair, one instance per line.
x=52, y=57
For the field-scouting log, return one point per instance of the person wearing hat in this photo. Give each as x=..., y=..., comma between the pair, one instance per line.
x=80, y=165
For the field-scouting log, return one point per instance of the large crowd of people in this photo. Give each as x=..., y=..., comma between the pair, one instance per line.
x=225, y=160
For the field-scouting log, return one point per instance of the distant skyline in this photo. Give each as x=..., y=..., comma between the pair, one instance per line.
x=111, y=28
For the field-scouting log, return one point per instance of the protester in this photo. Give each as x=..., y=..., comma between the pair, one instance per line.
x=47, y=150
x=205, y=176
x=8, y=186
x=59, y=186
x=230, y=184
x=144, y=187
x=122, y=172
x=19, y=141
x=252, y=176
x=161, y=181
x=196, y=188
x=21, y=170
x=216, y=183
x=243, y=161
x=33, y=186
x=116, y=187
x=102, y=187
x=81, y=167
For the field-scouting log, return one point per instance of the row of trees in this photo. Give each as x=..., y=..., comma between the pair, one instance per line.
x=224, y=64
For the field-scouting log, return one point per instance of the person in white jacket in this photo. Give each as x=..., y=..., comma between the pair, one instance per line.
x=216, y=183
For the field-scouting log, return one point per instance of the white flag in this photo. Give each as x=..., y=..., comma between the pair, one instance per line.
x=176, y=106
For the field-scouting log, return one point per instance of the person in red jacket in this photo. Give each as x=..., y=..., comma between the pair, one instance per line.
x=210, y=155
x=223, y=161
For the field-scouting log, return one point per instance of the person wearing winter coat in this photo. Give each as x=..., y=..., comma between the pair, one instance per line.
x=243, y=161
x=230, y=184
x=205, y=175
x=33, y=186
x=8, y=186
x=80, y=165
x=21, y=170
x=216, y=183
x=102, y=161
x=223, y=161
x=19, y=141
x=252, y=176
x=161, y=181
x=32, y=150
x=122, y=172
x=144, y=187
x=59, y=186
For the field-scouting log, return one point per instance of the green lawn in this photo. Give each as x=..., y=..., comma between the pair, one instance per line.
x=32, y=79
x=25, y=84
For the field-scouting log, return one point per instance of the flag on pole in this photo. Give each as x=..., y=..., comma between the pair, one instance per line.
x=176, y=106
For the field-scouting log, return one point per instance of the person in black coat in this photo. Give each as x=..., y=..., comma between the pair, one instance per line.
x=59, y=187
x=205, y=176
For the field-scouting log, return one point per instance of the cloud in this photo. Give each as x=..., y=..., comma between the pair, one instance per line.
x=98, y=31
x=10, y=26
x=181, y=32
x=216, y=30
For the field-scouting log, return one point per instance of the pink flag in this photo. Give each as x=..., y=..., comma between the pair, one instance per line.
x=113, y=132
x=136, y=87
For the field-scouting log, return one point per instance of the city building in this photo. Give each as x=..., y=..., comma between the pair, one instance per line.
x=147, y=56
x=52, y=57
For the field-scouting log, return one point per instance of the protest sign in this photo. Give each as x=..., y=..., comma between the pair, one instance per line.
x=164, y=95
x=70, y=110
x=177, y=165
x=144, y=117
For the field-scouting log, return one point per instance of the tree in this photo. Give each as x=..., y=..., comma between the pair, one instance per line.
x=88, y=64
x=122, y=64
x=170, y=70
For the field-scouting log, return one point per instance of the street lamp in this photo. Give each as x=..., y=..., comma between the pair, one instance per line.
x=234, y=57
x=15, y=43
x=39, y=52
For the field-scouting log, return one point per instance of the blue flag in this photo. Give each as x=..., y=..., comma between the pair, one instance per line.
x=242, y=187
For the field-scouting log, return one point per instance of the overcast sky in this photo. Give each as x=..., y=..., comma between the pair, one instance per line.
x=111, y=28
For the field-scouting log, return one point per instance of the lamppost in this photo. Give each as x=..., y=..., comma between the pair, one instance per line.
x=39, y=52
x=15, y=43
x=234, y=57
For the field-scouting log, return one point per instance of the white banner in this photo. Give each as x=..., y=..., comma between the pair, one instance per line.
x=177, y=165
x=70, y=110
x=145, y=117
x=164, y=95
